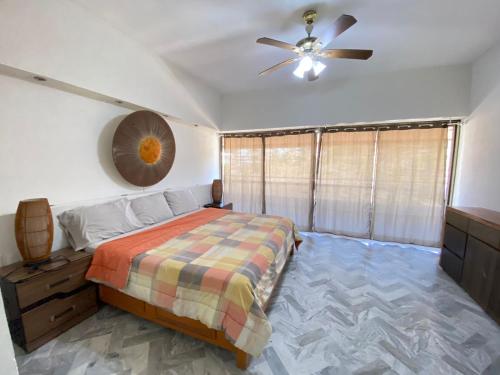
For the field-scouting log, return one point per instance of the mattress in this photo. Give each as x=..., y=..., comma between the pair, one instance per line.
x=138, y=290
x=215, y=266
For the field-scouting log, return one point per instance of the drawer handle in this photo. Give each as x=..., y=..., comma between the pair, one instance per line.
x=57, y=283
x=53, y=318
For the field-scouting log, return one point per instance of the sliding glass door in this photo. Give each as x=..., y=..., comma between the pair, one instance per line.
x=379, y=183
x=289, y=165
x=242, y=170
x=409, y=192
x=345, y=182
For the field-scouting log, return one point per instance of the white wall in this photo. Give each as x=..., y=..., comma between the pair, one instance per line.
x=478, y=180
x=58, y=145
x=61, y=40
x=423, y=93
x=7, y=359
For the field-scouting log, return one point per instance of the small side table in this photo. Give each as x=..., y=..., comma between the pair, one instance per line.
x=221, y=205
x=40, y=304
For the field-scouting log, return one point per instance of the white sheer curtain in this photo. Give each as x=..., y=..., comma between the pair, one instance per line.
x=242, y=173
x=289, y=165
x=402, y=200
x=344, y=183
x=410, y=186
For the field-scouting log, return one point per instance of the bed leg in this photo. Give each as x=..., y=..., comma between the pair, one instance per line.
x=242, y=359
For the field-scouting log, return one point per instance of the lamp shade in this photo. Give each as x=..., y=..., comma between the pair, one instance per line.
x=217, y=191
x=34, y=230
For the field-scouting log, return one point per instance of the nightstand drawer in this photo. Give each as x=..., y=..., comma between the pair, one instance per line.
x=56, y=312
x=63, y=280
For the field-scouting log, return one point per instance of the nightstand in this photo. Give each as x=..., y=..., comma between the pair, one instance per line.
x=41, y=304
x=222, y=205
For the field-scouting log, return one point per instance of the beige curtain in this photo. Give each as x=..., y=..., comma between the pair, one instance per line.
x=289, y=165
x=344, y=184
x=242, y=173
x=410, y=186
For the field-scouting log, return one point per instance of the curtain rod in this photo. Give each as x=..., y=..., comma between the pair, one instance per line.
x=349, y=128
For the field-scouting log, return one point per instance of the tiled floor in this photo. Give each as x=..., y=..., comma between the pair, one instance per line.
x=343, y=307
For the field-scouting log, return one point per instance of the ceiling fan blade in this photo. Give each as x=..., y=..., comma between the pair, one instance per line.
x=311, y=76
x=343, y=23
x=358, y=54
x=277, y=43
x=277, y=66
x=340, y=25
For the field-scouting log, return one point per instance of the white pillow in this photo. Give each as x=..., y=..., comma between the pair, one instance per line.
x=85, y=225
x=181, y=201
x=151, y=209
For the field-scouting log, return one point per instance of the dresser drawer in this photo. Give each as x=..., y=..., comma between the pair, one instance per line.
x=479, y=268
x=487, y=234
x=494, y=301
x=455, y=240
x=56, y=312
x=63, y=280
x=459, y=221
x=451, y=264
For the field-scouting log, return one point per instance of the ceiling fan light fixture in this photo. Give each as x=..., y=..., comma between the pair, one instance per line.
x=318, y=67
x=305, y=65
x=299, y=73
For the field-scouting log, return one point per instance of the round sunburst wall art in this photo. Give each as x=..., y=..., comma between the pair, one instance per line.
x=143, y=148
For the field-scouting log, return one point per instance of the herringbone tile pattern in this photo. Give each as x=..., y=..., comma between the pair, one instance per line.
x=343, y=307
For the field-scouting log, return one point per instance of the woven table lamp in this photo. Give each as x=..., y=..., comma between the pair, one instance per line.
x=217, y=191
x=34, y=230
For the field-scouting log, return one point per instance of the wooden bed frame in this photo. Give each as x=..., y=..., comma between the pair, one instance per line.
x=184, y=325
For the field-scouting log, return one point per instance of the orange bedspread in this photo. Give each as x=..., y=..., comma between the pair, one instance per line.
x=109, y=265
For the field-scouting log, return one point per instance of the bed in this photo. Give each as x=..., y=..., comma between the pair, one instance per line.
x=208, y=274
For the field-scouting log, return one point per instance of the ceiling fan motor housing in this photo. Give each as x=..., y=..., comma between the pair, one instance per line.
x=309, y=17
x=308, y=44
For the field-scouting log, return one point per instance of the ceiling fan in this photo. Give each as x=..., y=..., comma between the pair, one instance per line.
x=310, y=49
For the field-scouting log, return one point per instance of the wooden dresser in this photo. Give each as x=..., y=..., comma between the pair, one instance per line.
x=42, y=304
x=471, y=254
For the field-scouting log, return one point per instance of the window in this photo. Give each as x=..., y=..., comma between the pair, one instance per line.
x=386, y=183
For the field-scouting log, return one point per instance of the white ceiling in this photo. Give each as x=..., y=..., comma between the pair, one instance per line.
x=215, y=40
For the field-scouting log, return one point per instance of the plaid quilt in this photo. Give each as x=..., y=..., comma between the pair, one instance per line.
x=211, y=274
